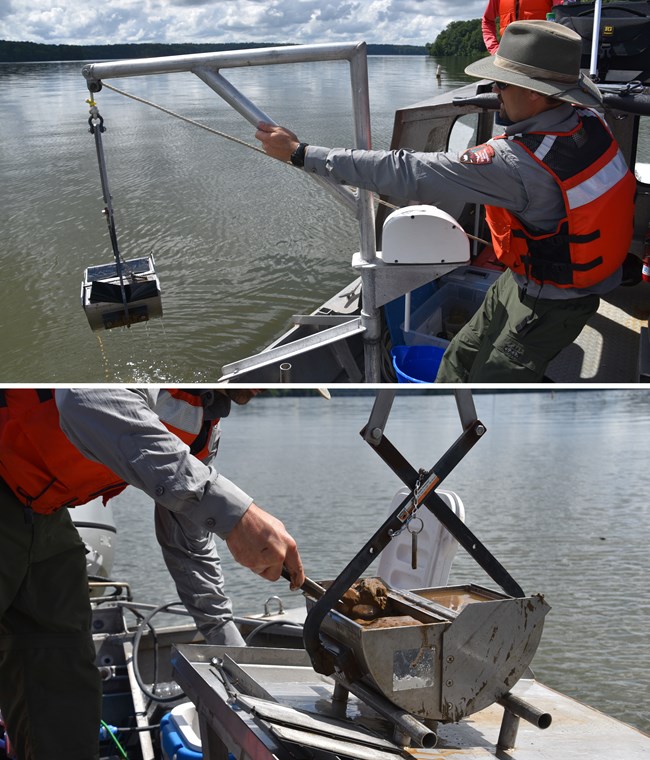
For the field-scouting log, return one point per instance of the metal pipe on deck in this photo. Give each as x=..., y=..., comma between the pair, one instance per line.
x=516, y=708
x=403, y=721
x=525, y=710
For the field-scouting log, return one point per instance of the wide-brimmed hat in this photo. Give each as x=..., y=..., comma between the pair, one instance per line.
x=543, y=56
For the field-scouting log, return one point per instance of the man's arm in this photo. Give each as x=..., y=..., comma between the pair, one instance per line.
x=442, y=179
x=489, y=26
x=118, y=427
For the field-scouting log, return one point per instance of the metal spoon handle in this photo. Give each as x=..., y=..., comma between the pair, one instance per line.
x=310, y=587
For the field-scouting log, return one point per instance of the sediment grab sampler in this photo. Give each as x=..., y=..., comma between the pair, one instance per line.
x=412, y=656
x=123, y=292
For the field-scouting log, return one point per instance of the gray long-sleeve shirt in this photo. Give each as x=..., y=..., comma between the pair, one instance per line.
x=510, y=179
x=119, y=428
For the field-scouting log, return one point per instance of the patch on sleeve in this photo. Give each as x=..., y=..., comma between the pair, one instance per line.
x=480, y=154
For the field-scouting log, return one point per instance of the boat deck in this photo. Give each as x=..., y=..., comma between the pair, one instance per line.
x=577, y=731
x=607, y=349
x=271, y=704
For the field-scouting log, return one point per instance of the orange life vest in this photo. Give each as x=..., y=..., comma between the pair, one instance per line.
x=47, y=472
x=520, y=10
x=592, y=240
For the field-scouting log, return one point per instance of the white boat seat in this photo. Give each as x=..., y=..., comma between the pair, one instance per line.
x=436, y=548
x=96, y=526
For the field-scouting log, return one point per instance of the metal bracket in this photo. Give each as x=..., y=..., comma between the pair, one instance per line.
x=374, y=430
x=394, y=280
x=287, y=350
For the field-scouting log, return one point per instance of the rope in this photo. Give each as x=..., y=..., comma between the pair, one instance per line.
x=185, y=119
x=234, y=139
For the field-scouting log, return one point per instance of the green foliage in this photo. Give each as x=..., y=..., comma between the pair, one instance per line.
x=459, y=38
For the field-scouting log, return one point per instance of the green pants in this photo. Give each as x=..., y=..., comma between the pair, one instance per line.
x=510, y=340
x=50, y=690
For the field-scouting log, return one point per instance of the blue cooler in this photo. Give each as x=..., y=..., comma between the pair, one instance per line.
x=459, y=296
x=417, y=364
x=179, y=734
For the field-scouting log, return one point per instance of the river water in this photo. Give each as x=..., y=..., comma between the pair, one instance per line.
x=557, y=490
x=240, y=242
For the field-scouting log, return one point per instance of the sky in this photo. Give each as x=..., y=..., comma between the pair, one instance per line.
x=84, y=22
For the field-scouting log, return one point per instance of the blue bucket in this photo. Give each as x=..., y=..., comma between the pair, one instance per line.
x=417, y=364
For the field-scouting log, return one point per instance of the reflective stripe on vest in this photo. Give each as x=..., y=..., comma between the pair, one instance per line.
x=182, y=412
x=597, y=185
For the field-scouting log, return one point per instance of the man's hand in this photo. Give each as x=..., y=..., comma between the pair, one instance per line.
x=278, y=142
x=261, y=543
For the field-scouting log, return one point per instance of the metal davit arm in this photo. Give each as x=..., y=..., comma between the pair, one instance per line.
x=225, y=59
x=206, y=66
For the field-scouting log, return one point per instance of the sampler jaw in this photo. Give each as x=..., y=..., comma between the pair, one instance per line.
x=441, y=653
x=105, y=303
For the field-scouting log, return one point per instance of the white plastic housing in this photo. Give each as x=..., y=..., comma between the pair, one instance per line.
x=423, y=235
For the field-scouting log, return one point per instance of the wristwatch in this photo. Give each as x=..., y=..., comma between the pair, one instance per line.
x=298, y=156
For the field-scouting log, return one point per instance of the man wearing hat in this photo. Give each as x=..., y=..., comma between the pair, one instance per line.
x=557, y=192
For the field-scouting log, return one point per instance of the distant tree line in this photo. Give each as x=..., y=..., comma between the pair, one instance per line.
x=35, y=51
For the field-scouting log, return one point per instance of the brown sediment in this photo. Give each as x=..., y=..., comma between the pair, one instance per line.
x=397, y=621
x=366, y=599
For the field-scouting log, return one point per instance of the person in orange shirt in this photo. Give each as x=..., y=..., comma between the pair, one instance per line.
x=508, y=11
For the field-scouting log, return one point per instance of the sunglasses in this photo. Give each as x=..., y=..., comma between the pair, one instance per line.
x=501, y=85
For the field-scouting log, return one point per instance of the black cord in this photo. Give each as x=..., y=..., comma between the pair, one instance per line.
x=269, y=624
x=146, y=621
x=137, y=729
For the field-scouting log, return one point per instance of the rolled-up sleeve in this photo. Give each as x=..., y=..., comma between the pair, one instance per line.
x=120, y=429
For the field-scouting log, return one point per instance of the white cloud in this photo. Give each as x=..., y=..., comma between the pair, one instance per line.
x=300, y=21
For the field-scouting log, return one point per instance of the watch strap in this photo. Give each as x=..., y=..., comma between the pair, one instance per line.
x=298, y=156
